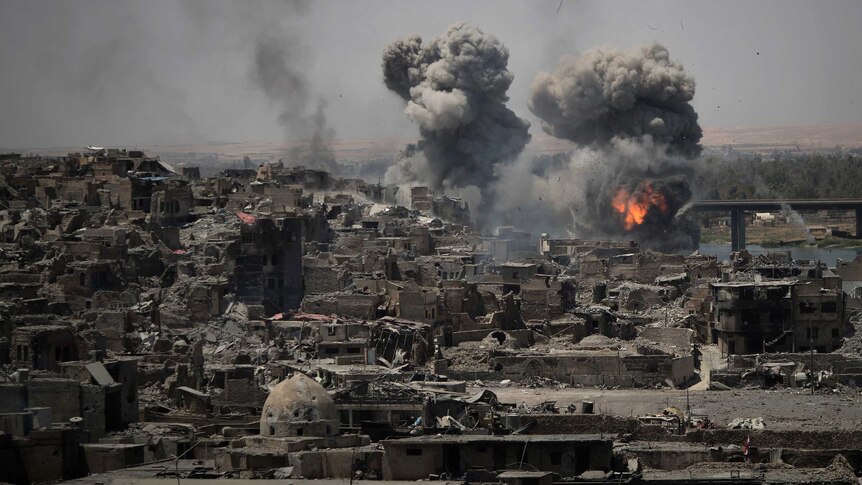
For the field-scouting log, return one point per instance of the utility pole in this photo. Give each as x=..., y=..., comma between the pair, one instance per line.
x=811, y=343
x=687, y=409
x=666, y=300
x=352, y=464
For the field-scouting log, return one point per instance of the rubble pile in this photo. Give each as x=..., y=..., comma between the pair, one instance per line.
x=852, y=343
x=268, y=319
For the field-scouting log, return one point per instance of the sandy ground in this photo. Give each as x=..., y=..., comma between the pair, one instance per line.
x=744, y=138
x=781, y=409
x=798, y=137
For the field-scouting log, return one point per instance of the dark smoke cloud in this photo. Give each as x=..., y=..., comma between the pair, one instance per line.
x=128, y=73
x=630, y=112
x=279, y=70
x=571, y=193
x=607, y=93
x=455, y=87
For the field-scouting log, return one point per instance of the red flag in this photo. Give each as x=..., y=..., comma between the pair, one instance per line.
x=746, y=445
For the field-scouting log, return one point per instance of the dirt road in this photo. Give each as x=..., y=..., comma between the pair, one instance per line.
x=781, y=409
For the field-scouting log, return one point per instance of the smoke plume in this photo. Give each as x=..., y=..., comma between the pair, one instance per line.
x=795, y=218
x=455, y=87
x=574, y=194
x=609, y=93
x=629, y=111
x=279, y=68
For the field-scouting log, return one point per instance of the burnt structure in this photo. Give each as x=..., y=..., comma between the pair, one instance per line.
x=269, y=263
x=146, y=315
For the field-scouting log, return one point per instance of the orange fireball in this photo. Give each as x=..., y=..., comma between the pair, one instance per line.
x=633, y=207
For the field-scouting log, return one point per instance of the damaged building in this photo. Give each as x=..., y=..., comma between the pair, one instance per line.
x=279, y=322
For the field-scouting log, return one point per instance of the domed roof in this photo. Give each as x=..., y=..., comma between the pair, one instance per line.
x=299, y=406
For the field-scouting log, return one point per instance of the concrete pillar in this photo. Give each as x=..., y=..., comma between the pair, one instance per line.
x=734, y=235
x=859, y=223
x=737, y=229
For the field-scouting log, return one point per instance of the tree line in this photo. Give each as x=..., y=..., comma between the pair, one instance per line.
x=780, y=176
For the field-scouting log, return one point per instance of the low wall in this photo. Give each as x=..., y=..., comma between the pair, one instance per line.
x=796, y=439
x=837, y=363
x=663, y=458
x=580, y=424
x=523, y=337
x=593, y=369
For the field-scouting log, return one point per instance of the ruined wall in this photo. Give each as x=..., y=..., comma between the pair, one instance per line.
x=795, y=439
x=579, y=424
x=336, y=462
x=101, y=458
x=649, y=265
x=536, y=304
x=597, y=369
x=324, y=279
x=420, y=306
x=344, y=304
x=681, y=338
x=93, y=410
x=13, y=398
x=63, y=396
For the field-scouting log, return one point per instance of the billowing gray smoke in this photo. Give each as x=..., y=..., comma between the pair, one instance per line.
x=455, y=87
x=609, y=93
x=630, y=112
x=279, y=70
x=573, y=194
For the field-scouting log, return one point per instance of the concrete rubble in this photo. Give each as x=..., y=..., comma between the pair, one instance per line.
x=283, y=323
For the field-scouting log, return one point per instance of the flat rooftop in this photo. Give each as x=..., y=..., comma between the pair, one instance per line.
x=510, y=438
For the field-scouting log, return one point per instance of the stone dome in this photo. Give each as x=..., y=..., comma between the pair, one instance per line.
x=299, y=406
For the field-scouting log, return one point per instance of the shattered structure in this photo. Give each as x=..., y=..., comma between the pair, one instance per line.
x=284, y=323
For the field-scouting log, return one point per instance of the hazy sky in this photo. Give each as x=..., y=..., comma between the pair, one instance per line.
x=78, y=72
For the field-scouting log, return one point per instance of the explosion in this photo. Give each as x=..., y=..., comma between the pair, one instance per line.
x=631, y=113
x=455, y=88
x=633, y=208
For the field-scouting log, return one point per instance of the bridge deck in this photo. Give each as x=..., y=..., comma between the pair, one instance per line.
x=738, y=207
x=776, y=204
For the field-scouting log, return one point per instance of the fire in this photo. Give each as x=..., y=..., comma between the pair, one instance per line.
x=633, y=207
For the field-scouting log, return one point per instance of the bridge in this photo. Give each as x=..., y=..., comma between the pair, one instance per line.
x=737, y=209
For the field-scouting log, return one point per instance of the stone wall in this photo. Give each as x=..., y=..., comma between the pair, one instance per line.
x=63, y=396
x=681, y=338
x=592, y=369
x=324, y=279
x=93, y=410
x=348, y=305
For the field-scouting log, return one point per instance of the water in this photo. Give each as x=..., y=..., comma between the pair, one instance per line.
x=826, y=255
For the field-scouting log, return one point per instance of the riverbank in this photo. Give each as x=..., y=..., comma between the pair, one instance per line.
x=772, y=236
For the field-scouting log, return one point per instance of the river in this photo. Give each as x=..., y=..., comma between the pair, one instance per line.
x=826, y=255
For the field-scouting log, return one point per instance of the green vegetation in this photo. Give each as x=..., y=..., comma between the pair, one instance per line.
x=779, y=176
x=839, y=242
x=782, y=176
x=780, y=235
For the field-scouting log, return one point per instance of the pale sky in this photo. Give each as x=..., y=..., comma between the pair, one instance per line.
x=117, y=72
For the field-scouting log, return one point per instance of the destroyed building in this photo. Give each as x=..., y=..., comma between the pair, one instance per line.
x=281, y=322
x=778, y=315
x=268, y=266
